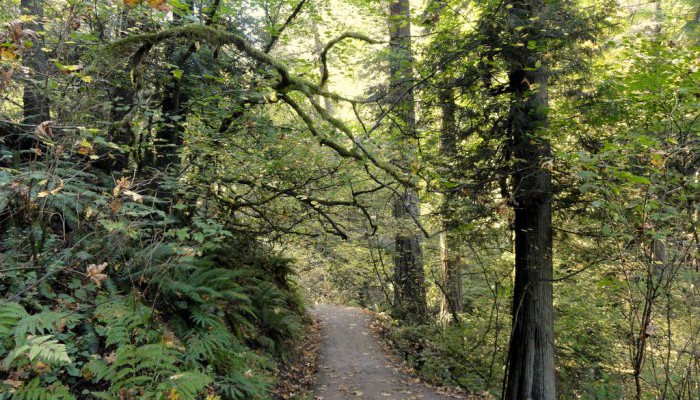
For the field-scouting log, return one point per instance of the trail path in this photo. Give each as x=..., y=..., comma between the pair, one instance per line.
x=352, y=365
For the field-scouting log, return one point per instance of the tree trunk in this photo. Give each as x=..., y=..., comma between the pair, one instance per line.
x=36, y=104
x=121, y=95
x=409, y=278
x=531, y=372
x=168, y=138
x=451, y=268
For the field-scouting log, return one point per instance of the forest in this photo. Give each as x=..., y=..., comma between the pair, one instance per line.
x=508, y=190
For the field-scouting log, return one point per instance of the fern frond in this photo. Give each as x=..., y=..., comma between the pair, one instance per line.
x=42, y=322
x=41, y=348
x=35, y=390
x=187, y=384
x=10, y=314
x=123, y=321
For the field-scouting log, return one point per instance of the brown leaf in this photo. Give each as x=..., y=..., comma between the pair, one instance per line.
x=134, y=196
x=94, y=273
x=61, y=325
x=122, y=184
x=43, y=130
x=115, y=205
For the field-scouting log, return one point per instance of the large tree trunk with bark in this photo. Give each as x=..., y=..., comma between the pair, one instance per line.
x=531, y=373
x=531, y=353
x=409, y=278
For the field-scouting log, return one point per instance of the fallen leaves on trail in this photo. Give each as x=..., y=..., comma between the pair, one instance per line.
x=299, y=375
x=380, y=327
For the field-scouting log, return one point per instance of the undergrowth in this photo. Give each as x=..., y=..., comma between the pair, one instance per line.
x=110, y=292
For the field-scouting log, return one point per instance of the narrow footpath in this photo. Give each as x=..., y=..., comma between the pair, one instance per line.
x=353, y=365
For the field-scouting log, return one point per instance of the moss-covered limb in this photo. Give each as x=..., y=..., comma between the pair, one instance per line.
x=329, y=45
x=216, y=37
x=338, y=148
x=392, y=170
x=209, y=35
x=288, y=82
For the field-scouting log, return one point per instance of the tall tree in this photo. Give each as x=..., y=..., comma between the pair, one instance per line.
x=531, y=354
x=409, y=278
x=451, y=268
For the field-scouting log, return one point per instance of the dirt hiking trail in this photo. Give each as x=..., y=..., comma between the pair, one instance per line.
x=353, y=365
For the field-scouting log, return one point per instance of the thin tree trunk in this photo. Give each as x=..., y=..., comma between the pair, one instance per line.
x=36, y=104
x=168, y=138
x=120, y=130
x=451, y=268
x=409, y=277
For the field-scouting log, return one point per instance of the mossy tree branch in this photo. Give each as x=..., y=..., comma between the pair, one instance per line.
x=288, y=82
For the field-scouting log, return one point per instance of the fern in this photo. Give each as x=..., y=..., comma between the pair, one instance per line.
x=40, y=323
x=123, y=321
x=243, y=386
x=10, y=314
x=275, y=319
x=40, y=348
x=187, y=384
x=204, y=345
x=151, y=369
x=35, y=390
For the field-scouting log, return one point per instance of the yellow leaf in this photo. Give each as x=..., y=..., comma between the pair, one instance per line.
x=43, y=194
x=57, y=188
x=86, y=78
x=122, y=183
x=7, y=54
x=173, y=395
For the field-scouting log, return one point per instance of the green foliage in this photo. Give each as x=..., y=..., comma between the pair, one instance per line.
x=149, y=371
x=38, y=348
x=34, y=390
x=148, y=216
x=123, y=321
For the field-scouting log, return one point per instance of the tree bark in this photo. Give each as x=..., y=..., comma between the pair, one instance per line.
x=531, y=373
x=409, y=277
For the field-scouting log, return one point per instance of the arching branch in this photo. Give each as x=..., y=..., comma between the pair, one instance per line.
x=329, y=45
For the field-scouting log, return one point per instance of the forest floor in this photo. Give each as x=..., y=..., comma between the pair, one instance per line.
x=353, y=365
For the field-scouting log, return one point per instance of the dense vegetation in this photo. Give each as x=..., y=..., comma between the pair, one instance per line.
x=515, y=183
